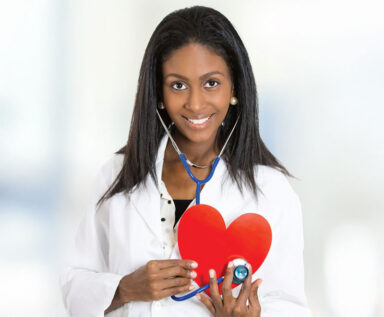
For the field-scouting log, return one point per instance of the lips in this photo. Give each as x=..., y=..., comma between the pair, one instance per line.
x=198, y=123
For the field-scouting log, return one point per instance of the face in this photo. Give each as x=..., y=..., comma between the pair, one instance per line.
x=197, y=88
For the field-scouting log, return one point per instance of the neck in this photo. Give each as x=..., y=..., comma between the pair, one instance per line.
x=202, y=153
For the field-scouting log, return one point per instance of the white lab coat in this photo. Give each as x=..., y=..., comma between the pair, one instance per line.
x=124, y=233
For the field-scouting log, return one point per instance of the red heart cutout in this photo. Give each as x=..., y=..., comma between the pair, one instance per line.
x=204, y=238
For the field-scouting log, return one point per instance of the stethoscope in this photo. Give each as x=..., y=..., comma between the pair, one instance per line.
x=240, y=271
x=186, y=162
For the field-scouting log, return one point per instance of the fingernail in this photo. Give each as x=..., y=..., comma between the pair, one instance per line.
x=198, y=296
x=193, y=265
x=193, y=274
x=248, y=266
x=230, y=264
x=211, y=273
x=191, y=287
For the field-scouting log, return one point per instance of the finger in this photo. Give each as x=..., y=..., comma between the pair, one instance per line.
x=176, y=290
x=175, y=282
x=187, y=264
x=245, y=288
x=227, y=283
x=177, y=271
x=207, y=302
x=254, y=298
x=214, y=289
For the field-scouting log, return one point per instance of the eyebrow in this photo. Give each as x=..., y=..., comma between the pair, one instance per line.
x=201, y=77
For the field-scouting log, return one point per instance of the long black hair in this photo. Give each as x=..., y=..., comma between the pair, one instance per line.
x=245, y=149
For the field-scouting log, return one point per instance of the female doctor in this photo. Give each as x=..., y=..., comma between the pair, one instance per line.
x=196, y=77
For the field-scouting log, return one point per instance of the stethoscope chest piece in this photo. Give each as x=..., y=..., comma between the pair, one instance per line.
x=240, y=271
x=240, y=274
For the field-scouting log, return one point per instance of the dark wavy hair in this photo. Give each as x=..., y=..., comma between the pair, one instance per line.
x=245, y=149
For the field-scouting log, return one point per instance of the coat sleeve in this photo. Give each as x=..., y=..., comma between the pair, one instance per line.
x=282, y=294
x=87, y=285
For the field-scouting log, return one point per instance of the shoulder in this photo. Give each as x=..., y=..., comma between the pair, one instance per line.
x=275, y=185
x=107, y=174
x=111, y=168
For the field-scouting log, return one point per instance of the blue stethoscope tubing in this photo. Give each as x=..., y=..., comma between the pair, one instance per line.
x=199, y=290
x=199, y=182
x=185, y=161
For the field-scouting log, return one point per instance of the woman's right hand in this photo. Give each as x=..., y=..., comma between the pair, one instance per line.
x=157, y=279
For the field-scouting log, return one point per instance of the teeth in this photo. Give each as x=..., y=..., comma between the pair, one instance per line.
x=199, y=121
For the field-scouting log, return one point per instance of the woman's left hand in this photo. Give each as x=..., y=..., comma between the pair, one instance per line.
x=229, y=306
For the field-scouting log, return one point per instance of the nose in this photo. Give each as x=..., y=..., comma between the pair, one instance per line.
x=196, y=100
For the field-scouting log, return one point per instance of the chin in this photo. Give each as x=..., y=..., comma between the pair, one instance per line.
x=199, y=136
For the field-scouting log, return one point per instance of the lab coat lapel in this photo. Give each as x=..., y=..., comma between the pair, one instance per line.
x=146, y=198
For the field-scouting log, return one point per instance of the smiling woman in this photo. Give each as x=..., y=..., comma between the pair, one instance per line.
x=197, y=77
x=197, y=89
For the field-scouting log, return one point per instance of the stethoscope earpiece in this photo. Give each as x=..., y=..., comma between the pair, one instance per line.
x=240, y=274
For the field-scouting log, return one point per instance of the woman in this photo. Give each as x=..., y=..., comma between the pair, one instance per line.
x=196, y=77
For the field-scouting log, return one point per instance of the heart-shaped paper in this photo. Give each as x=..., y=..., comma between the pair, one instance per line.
x=204, y=238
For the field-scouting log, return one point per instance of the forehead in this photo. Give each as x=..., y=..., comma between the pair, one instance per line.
x=193, y=60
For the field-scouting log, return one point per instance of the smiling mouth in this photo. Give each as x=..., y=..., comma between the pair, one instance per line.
x=199, y=121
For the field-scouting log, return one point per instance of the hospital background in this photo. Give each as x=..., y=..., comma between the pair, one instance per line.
x=68, y=78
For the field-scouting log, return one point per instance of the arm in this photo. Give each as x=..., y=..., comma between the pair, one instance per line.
x=88, y=288
x=117, y=300
x=283, y=293
x=87, y=285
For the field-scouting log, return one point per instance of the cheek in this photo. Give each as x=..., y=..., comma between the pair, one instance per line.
x=220, y=102
x=221, y=97
x=172, y=98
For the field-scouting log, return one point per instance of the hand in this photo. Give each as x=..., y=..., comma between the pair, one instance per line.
x=157, y=280
x=229, y=306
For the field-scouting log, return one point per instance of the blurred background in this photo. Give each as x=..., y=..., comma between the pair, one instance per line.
x=68, y=78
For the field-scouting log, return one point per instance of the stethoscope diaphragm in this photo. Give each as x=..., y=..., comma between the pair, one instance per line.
x=240, y=271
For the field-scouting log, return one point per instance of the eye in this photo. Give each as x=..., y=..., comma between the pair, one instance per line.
x=178, y=86
x=211, y=83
